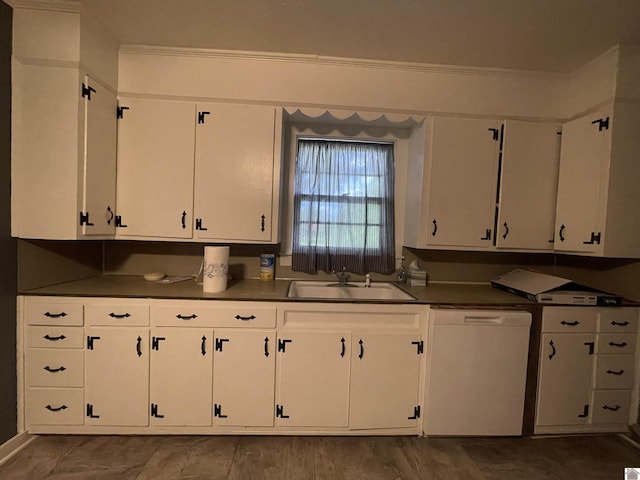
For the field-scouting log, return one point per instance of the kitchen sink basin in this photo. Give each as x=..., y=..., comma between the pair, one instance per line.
x=353, y=291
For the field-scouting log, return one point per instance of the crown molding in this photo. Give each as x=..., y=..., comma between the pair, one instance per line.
x=63, y=6
x=326, y=60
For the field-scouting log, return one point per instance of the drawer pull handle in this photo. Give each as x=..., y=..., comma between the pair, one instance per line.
x=203, y=346
x=54, y=339
x=266, y=347
x=186, y=317
x=139, y=346
x=553, y=350
x=119, y=316
x=361, y=354
x=613, y=409
x=54, y=370
x=619, y=324
x=56, y=409
x=55, y=315
x=245, y=319
x=570, y=324
x=620, y=345
x=615, y=372
x=342, y=348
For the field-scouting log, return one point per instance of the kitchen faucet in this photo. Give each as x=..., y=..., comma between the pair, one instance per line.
x=342, y=276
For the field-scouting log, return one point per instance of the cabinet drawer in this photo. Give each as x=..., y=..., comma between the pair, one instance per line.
x=55, y=337
x=569, y=319
x=618, y=320
x=194, y=314
x=54, y=368
x=117, y=314
x=611, y=406
x=55, y=406
x=37, y=313
x=614, y=371
x=616, y=343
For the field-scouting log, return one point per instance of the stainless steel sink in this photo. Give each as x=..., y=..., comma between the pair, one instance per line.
x=355, y=291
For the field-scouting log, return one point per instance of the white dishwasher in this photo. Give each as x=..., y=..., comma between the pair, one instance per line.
x=476, y=372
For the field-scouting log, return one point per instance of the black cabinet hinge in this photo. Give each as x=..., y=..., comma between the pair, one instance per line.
x=87, y=90
x=416, y=413
x=90, y=411
x=280, y=411
x=90, y=341
x=84, y=219
x=217, y=411
x=201, y=116
x=155, y=342
x=282, y=344
x=585, y=412
x=154, y=411
x=420, y=346
x=595, y=238
x=120, y=112
x=119, y=223
x=199, y=225
x=603, y=123
x=495, y=133
x=220, y=343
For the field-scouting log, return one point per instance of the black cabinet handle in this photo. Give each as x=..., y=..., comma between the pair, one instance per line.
x=619, y=324
x=183, y=220
x=343, y=348
x=615, y=372
x=203, y=346
x=119, y=316
x=139, y=346
x=262, y=219
x=54, y=339
x=560, y=233
x=54, y=370
x=266, y=346
x=506, y=231
x=110, y=215
x=245, y=319
x=186, y=317
x=553, y=350
x=570, y=324
x=361, y=354
x=56, y=409
x=619, y=345
x=613, y=409
x=55, y=315
x=435, y=228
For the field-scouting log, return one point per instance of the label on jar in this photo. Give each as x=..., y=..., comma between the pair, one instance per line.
x=267, y=266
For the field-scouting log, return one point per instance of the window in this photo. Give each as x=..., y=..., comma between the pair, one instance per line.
x=343, y=211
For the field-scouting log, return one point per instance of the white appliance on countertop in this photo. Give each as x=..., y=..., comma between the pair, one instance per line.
x=476, y=372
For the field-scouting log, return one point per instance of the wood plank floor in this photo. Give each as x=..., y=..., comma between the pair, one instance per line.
x=598, y=457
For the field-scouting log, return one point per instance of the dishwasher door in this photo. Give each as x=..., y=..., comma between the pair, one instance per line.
x=476, y=372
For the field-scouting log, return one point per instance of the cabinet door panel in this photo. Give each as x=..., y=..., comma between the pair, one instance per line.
x=528, y=187
x=117, y=376
x=181, y=369
x=99, y=196
x=583, y=164
x=313, y=379
x=244, y=377
x=384, y=380
x=234, y=172
x=565, y=377
x=462, y=182
x=155, y=168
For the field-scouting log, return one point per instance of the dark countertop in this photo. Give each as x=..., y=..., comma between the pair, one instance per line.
x=445, y=294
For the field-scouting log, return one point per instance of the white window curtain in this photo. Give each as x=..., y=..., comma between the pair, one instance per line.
x=343, y=207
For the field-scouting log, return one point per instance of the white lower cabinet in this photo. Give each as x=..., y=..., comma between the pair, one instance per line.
x=587, y=369
x=244, y=377
x=385, y=379
x=117, y=376
x=181, y=376
x=313, y=379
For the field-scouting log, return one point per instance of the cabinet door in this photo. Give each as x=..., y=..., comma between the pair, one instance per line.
x=155, y=168
x=385, y=379
x=234, y=172
x=528, y=185
x=99, y=194
x=565, y=379
x=462, y=182
x=181, y=366
x=583, y=163
x=117, y=376
x=244, y=377
x=313, y=379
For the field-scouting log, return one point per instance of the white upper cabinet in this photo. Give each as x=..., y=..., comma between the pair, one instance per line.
x=528, y=185
x=155, y=168
x=458, y=200
x=598, y=187
x=236, y=158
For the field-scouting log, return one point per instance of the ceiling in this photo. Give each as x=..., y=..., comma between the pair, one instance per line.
x=545, y=35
